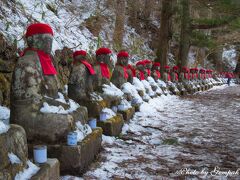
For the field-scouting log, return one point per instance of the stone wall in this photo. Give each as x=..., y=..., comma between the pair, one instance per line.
x=8, y=57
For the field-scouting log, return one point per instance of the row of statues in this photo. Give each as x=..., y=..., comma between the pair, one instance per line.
x=35, y=86
x=35, y=82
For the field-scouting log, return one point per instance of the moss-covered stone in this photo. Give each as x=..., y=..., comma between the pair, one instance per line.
x=13, y=141
x=128, y=114
x=95, y=107
x=113, y=126
x=48, y=171
x=137, y=107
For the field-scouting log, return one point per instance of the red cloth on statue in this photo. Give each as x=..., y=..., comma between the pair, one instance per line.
x=88, y=66
x=176, y=75
x=142, y=75
x=105, y=70
x=132, y=70
x=187, y=76
x=169, y=77
x=45, y=61
x=158, y=74
x=149, y=72
x=125, y=71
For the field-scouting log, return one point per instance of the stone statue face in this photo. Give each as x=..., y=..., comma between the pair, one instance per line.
x=149, y=65
x=107, y=59
x=41, y=42
x=122, y=61
x=140, y=67
x=167, y=70
x=80, y=58
x=103, y=58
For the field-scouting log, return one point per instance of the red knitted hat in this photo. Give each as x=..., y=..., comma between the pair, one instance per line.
x=156, y=64
x=184, y=68
x=167, y=67
x=81, y=52
x=123, y=54
x=140, y=63
x=147, y=61
x=175, y=68
x=103, y=50
x=38, y=28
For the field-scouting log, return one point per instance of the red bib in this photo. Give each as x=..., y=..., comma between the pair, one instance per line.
x=169, y=77
x=142, y=75
x=176, y=74
x=125, y=71
x=149, y=72
x=158, y=74
x=45, y=61
x=187, y=76
x=89, y=67
x=105, y=71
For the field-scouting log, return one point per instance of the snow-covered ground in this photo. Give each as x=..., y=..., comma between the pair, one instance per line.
x=173, y=136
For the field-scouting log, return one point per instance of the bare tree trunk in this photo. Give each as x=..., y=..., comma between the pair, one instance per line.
x=216, y=58
x=119, y=24
x=185, y=34
x=133, y=9
x=163, y=44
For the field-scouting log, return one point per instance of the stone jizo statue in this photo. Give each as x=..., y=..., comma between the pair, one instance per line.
x=34, y=82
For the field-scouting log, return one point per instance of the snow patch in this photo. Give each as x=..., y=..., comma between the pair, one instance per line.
x=110, y=113
x=28, y=172
x=4, y=113
x=82, y=131
x=112, y=90
x=14, y=159
x=3, y=127
x=108, y=139
x=73, y=106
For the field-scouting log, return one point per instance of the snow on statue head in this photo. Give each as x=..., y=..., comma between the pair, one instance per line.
x=40, y=36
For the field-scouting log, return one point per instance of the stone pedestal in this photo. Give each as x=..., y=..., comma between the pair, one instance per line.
x=74, y=160
x=113, y=126
x=15, y=141
x=128, y=114
x=48, y=171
